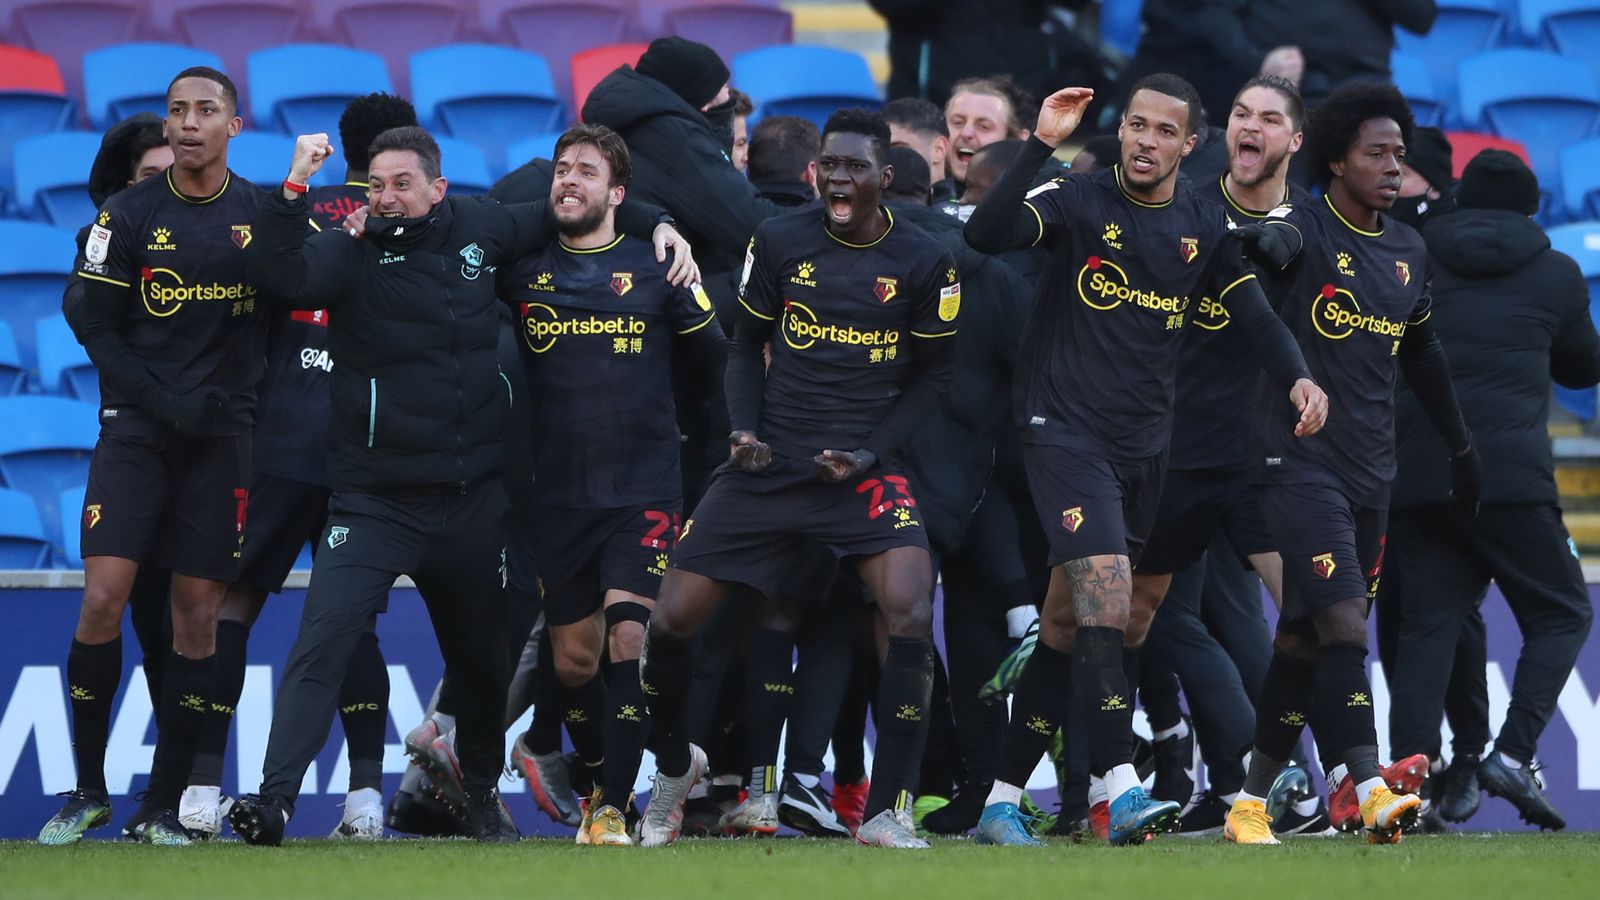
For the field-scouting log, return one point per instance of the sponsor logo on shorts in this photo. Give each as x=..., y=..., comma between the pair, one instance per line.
x=337, y=535
x=660, y=567
x=1323, y=565
x=1072, y=519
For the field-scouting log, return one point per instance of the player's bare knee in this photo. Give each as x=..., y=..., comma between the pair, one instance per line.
x=625, y=627
x=576, y=665
x=1058, y=626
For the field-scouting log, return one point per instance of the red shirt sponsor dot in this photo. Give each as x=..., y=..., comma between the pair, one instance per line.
x=1327, y=291
x=1094, y=262
x=146, y=274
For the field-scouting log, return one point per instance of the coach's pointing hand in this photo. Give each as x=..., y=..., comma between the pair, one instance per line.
x=310, y=152
x=1313, y=406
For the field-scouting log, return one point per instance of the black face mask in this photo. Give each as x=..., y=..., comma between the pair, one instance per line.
x=404, y=234
x=721, y=119
x=1414, y=211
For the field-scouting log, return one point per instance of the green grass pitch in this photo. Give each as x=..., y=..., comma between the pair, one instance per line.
x=1465, y=866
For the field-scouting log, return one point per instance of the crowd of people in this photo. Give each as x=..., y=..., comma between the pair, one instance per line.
x=677, y=430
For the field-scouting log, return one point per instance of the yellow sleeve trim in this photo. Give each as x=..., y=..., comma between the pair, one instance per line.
x=756, y=314
x=121, y=284
x=1236, y=282
x=1033, y=209
x=950, y=333
x=703, y=324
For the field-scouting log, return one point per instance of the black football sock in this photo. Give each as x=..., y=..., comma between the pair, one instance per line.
x=904, y=690
x=544, y=732
x=232, y=638
x=364, y=713
x=769, y=689
x=582, y=710
x=664, y=674
x=1102, y=690
x=1344, y=701
x=93, y=673
x=186, y=697
x=1038, y=709
x=627, y=724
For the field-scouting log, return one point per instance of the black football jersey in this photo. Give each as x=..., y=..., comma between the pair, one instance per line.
x=1347, y=298
x=847, y=319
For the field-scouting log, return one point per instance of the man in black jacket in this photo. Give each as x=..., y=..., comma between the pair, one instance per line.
x=1511, y=314
x=419, y=407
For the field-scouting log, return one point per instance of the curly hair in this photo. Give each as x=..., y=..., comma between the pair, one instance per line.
x=1334, y=126
x=364, y=118
x=863, y=122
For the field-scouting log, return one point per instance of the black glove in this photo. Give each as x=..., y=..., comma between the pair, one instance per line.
x=1269, y=245
x=1466, y=481
x=192, y=413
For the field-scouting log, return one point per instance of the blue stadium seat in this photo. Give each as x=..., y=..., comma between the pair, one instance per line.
x=556, y=30
x=1120, y=25
x=810, y=82
x=465, y=167
x=12, y=374
x=1412, y=78
x=1581, y=241
x=33, y=100
x=1580, y=179
x=492, y=95
x=728, y=27
x=1463, y=28
x=67, y=29
x=540, y=146
x=22, y=541
x=1541, y=99
x=64, y=366
x=132, y=78
x=1569, y=27
x=263, y=158
x=35, y=262
x=45, y=448
x=292, y=90
x=71, y=556
x=53, y=177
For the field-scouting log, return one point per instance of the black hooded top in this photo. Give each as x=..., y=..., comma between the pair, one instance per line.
x=1511, y=314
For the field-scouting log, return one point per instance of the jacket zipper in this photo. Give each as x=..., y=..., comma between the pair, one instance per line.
x=372, y=411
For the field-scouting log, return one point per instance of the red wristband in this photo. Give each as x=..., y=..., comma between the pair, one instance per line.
x=297, y=188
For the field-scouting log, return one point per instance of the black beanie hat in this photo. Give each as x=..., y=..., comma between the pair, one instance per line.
x=1430, y=156
x=693, y=71
x=1497, y=179
x=113, y=164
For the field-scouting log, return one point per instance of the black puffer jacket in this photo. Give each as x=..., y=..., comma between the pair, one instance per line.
x=418, y=397
x=1510, y=314
x=680, y=163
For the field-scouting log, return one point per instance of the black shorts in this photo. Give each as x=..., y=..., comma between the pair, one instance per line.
x=1091, y=506
x=1332, y=549
x=1195, y=505
x=284, y=515
x=178, y=503
x=585, y=552
x=754, y=529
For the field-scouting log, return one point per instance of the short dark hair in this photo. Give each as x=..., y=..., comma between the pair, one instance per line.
x=608, y=142
x=1018, y=101
x=1178, y=89
x=413, y=138
x=1334, y=125
x=863, y=122
x=364, y=118
x=228, y=90
x=145, y=138
x=997, y=156
x=1286, y=88
x=742, y=104
x=911, y=176
x=917, y=114
x=781, y=147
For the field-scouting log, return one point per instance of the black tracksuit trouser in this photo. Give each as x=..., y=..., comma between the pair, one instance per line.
x=452, y=543
x=1444, y=563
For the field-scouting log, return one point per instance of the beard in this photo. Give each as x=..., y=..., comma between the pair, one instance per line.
x=585, y=223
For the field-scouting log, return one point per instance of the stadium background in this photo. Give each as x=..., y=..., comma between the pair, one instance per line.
x=1523, y=71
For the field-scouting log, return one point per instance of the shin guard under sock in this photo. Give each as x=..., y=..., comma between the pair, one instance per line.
x=1038, y=709
x=904, y=690
x=93, y=673
x=665, y=670
x=1102, y=690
